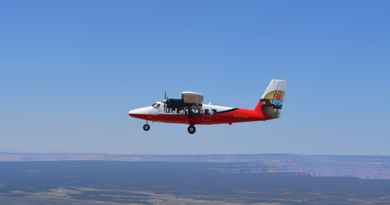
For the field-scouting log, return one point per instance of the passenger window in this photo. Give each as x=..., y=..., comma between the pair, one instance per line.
x=207, y=112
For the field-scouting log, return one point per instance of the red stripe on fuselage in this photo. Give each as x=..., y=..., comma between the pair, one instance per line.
x=234, y=116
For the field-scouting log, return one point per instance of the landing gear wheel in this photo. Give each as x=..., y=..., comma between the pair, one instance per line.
x=146, y=127
x=191, y=129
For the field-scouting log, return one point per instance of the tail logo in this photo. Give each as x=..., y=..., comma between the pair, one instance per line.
x=276, y=97
x=273, y=97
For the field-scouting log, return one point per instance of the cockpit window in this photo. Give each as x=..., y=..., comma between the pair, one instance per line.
x=156, y=105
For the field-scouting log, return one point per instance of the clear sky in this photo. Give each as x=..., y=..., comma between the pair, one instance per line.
x=71, y=70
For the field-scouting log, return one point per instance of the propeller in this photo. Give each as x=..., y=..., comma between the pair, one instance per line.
x=164, y=101
x=165, y=96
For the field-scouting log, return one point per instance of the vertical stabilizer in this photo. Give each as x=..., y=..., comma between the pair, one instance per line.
x=271, y=102
x=275, y=93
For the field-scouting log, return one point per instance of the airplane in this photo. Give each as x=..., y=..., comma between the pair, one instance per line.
x=190, y=110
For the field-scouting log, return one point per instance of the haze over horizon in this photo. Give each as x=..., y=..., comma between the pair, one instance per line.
x=70, y=71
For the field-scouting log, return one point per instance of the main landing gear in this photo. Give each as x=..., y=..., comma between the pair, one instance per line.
x=191, y=129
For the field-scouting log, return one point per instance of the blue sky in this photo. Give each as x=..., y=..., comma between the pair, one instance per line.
x=70, y=71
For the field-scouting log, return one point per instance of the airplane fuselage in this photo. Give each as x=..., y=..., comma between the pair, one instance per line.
x=209, y=114
x=189, y=109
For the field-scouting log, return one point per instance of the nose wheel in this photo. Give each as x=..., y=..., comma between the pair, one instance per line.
x=191, y=129
x=146, y=127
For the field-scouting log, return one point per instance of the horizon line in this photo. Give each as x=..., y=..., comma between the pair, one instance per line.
x=190, y=154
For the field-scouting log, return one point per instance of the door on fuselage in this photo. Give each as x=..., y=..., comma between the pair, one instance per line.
x=207, y=114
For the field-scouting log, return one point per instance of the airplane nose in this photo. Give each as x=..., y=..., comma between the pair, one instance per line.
x=142, y=112
x=134, y=112
x=138, y=112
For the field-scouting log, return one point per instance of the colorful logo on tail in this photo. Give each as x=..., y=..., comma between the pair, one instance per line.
x=276, y=98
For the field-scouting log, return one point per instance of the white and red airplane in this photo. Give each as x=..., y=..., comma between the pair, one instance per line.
x=189, y=109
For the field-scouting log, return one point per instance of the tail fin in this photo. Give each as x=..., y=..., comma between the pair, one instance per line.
x=275, y=93
x=272, y=100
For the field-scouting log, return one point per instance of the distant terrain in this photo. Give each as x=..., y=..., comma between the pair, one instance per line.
x=365, y=167
x=101, y=179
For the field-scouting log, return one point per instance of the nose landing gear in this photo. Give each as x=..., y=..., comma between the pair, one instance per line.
x=191, y=129
x=146, y=127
